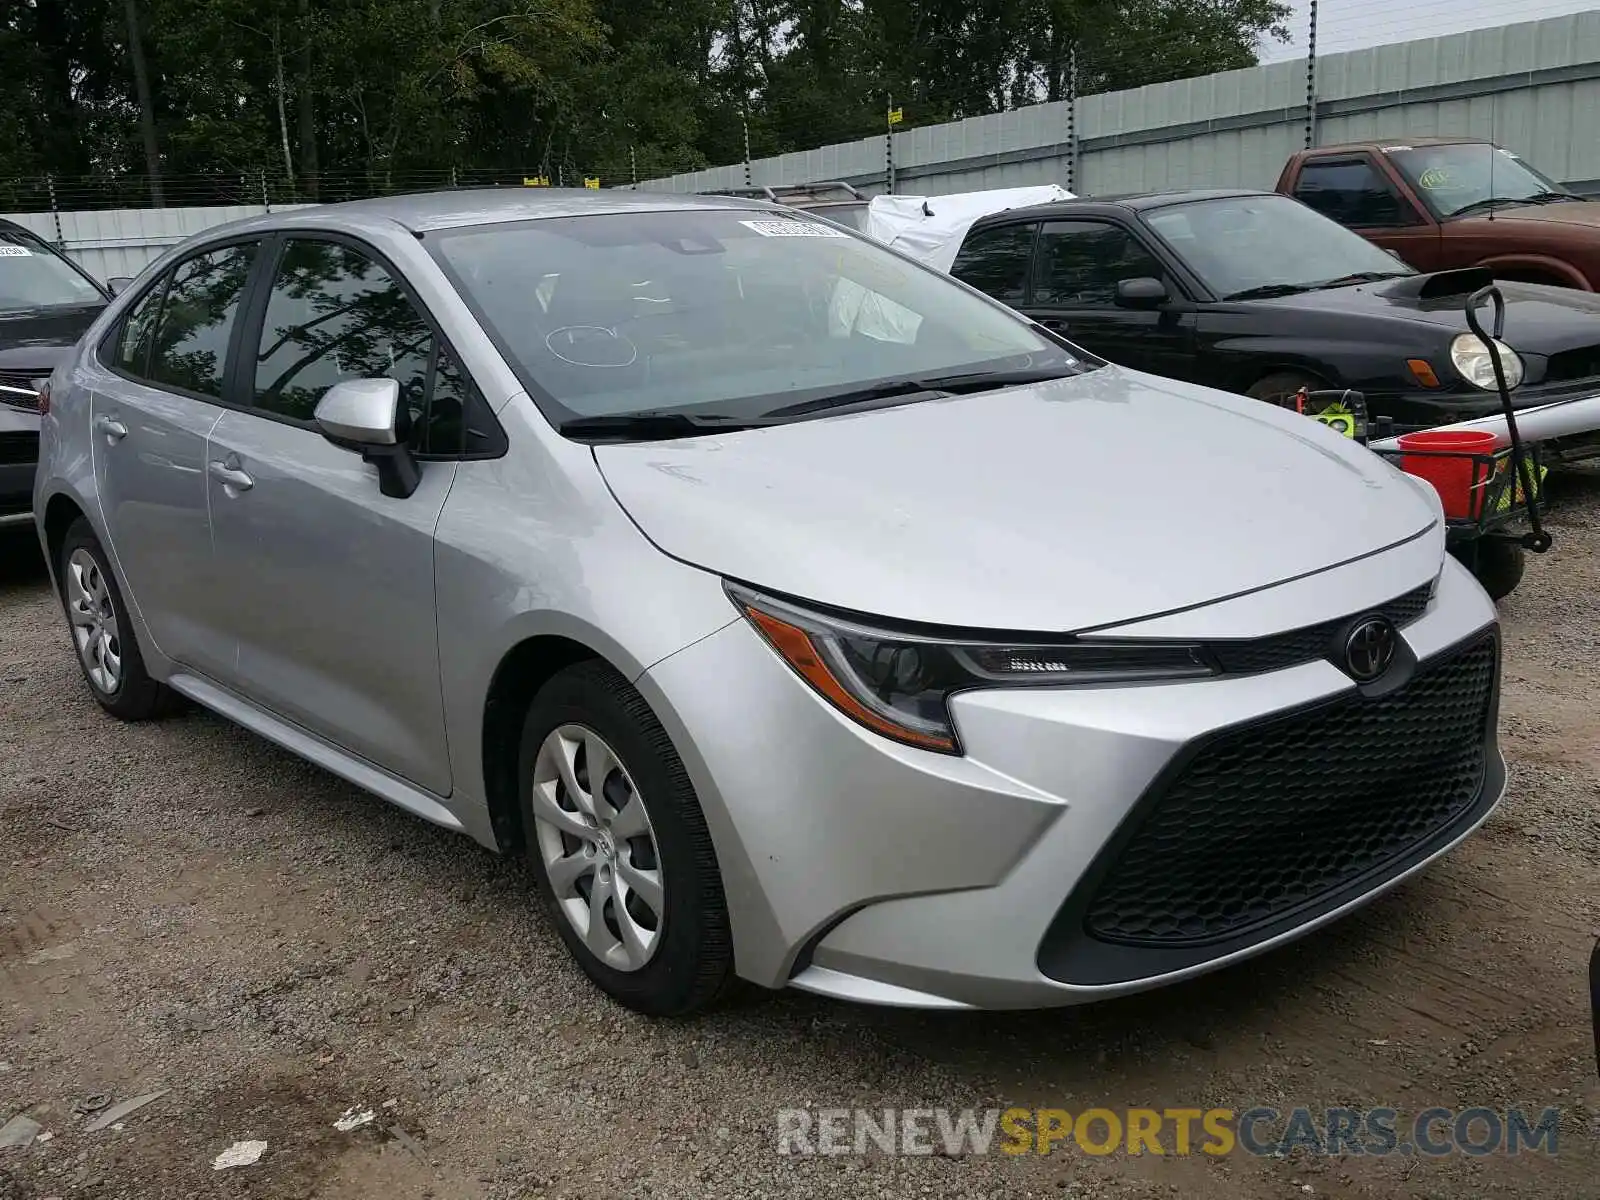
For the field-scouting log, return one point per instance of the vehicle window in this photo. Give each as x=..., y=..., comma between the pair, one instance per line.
x=138, y=332
x=995, y=261
x=1454, y=178
x=1081, y=262
x=719, y=309
x=34, y=276
x=1238, y=244
x=190, y=349
x=335, y=314
x=1351, y=193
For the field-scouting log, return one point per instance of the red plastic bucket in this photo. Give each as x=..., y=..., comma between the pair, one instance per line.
x=1448, y=466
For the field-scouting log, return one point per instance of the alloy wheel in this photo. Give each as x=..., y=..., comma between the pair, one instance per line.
x=598, y=847
x=93, y=615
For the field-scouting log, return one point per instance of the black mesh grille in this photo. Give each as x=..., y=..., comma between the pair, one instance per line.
x=1270, y=818
x=18, y=448
x=1310, y=642
x=19, y=379
x=1568, y=365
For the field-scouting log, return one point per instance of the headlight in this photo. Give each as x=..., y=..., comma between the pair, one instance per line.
x=1471, y=357
x=899, y=684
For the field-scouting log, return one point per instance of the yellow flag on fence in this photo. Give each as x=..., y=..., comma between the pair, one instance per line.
x=591, y=183
x=896, y=116
x=536, y=181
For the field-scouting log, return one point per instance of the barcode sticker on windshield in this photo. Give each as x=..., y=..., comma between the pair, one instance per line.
x=8, y=251
x=784, y=228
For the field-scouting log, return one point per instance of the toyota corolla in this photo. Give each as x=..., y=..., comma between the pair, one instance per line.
x=801, y=613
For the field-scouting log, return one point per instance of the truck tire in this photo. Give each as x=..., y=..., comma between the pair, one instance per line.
x=1496, y=564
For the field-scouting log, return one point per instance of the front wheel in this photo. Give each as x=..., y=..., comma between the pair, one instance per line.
x=619, y=846
x=1497, y=564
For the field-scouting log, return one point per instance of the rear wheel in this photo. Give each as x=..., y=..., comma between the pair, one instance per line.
x=101, y=631
x=619, y=846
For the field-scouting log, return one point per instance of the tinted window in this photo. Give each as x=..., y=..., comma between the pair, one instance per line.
x=202, y=301
x=334, y=313
x=1352, y=193
x=34, y=276
x=996, y=261
x=1081, y=262
x=138, y=332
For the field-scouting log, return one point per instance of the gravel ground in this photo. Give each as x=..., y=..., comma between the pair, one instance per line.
x=184, y=907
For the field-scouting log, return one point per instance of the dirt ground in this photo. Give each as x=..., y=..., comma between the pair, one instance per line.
x=185, y=907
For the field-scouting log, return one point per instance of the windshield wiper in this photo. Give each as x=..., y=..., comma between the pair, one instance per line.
x=1549, y=198
x=1359, y=277
x=1267, y=290
x=963, y=383
x=652, y=426
x=1487, y=202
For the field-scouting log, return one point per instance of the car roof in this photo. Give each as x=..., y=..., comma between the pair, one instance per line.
x=1380, y=143
x=421, y=212
x=1104, y=205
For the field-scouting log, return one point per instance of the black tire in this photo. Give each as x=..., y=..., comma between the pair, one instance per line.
x=1497, y=564
x=135, y=696
x=692, y=959
x=1282, y=384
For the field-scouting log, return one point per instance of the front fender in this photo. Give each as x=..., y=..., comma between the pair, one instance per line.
x=1543, y=264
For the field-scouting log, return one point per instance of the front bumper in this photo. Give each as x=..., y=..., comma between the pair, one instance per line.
x=870, y=871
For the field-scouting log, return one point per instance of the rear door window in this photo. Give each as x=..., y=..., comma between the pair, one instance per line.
x=189, y=351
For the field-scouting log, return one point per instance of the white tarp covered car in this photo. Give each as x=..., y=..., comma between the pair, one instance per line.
x=930, y=229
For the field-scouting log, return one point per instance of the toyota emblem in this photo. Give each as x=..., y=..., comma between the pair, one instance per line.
x=1370, y=649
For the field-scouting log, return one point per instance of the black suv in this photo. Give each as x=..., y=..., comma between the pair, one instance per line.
x=46, y=303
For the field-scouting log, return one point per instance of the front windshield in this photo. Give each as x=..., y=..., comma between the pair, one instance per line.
x=1451, y=179
x=1243, y=243
x=32, y=277
x=720, y=310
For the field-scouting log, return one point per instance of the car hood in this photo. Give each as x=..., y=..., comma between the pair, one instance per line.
x=1575, y=212
x=40, y=337
x=1539, y=319
x=1060, y=506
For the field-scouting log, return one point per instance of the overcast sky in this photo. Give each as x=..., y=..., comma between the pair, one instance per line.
x=1353, y=24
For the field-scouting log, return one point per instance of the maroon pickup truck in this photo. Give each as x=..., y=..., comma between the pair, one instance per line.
x=1441, y=203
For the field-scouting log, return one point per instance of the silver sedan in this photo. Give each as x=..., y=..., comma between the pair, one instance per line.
x=801, y=613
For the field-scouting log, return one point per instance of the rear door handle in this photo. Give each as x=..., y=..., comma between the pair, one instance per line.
x=114, y=429
x=232, y=478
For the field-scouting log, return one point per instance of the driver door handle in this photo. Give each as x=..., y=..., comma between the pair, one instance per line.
x=114, y=430
x=231, y=478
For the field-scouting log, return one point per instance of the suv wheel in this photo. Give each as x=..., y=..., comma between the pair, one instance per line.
x=619, y=846
x=101, y=633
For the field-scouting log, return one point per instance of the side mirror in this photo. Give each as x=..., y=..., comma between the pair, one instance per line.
x=119, y=284
x=366, y=415
x=1143, y=292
